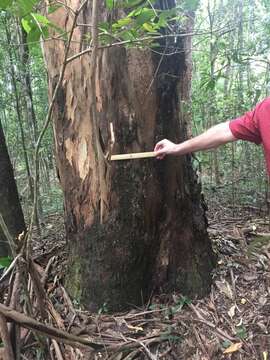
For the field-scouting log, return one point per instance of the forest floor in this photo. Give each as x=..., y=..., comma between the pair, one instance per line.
x=233, y=322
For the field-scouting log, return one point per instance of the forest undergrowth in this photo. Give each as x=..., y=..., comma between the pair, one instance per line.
x=231, y=323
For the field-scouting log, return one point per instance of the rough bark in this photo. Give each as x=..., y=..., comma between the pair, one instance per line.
x=153, y=235
x=10, y=207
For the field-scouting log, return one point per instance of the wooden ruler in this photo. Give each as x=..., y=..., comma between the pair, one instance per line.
x=132, y=156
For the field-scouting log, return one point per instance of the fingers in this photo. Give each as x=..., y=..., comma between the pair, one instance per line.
x=161, y=156
x=160, y=145
x=160, y=149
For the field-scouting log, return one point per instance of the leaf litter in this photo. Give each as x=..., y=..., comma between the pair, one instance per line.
x=232, y=322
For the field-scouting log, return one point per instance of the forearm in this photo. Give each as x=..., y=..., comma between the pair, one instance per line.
x=217, y=135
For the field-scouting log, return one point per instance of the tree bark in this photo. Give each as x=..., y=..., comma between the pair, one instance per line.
x=10, y=207
x=153, y=236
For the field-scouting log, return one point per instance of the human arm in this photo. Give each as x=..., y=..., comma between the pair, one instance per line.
x=212, y=138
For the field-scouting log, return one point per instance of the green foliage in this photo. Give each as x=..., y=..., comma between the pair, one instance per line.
x=35, y=24
x=4, y=4
x=182, y=301
x=19, y=8
x=124, y=4
x=241, y=332
x=226, y=344
x=141, y=20
x=5, y=262
x=109, y=4
x=170, y=335
x=231, y=75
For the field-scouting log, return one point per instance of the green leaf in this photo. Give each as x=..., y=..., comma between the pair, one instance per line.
x=210, y=85
x=40, y=19
x=149, y=27
x=241, y=332
x=170, y=335
x=4, y=4
x=33, y=36
x=144, y=16
x=109, y=4
x=37, y=25
x=128, y=35
x=105, y=26
x=5, y=262
x=226, y=344
x=121, y=23
x=24, y=7
x=26, y=25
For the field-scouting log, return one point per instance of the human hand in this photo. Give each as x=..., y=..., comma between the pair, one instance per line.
x=164, y=147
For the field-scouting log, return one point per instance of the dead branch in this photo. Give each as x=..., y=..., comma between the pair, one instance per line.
x=50, y=331
x=6, y=339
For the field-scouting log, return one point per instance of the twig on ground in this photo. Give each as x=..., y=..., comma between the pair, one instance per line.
x=57, y=334
x=6, y=339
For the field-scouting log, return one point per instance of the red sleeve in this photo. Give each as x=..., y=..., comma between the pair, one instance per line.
x=264, y=126
x=246, y=127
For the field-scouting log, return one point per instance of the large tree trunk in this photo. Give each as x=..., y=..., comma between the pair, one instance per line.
x=10, y=207
x=153, y=235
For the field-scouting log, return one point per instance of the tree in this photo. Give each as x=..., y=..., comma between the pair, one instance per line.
x=137, y=226
x=10, y=207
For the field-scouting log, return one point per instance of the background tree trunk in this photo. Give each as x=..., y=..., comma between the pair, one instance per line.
x=154, y=232
x=10, y=207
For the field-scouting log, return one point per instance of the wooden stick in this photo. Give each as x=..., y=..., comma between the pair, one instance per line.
x=52, y=332
x=6, y=339
x=141, y=155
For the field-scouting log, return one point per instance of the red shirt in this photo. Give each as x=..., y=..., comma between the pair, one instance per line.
x=254, y=126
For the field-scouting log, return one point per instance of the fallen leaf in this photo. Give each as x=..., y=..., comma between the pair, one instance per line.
x=243, y=301
x=262, y=300
x=225, y=288
x=250, y=276
x=231, y=312
x=136, y=328
x=233, y=348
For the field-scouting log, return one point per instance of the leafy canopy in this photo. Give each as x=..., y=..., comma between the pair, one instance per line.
x=129, y=21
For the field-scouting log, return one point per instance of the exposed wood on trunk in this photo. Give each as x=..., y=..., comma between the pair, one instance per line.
x=102, y=166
